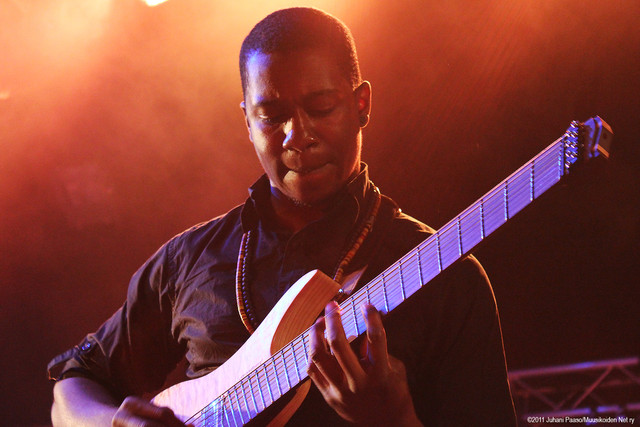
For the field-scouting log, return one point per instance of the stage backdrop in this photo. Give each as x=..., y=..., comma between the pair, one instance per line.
x=120, y=127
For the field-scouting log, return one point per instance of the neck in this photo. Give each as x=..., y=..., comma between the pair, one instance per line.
x=295, y=215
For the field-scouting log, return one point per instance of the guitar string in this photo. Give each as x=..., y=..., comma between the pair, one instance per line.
x=244, y=307
x=543, y=162
x=249, y=409
x=514, y=194
x=498, y=209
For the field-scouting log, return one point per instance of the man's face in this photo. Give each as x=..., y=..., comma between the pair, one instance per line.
x=303, y=118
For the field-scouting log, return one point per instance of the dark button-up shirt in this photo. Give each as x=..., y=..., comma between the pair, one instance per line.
x=182, y=303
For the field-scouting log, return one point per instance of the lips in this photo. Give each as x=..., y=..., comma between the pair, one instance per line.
x=305, y=168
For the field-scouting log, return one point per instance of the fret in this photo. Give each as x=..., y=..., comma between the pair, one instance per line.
x=211, y=411
x=438, y=252
x=384, y=293
x=420, y=279
x=354, y=316
x=266, y=376
x=531, y=180
x=375, y=293
x=220, y=409
x=402, y=290
x=253, y=394
x=519, y=194
x=493, y=213
x=304, y=362
x=397, y=290
x=548, y=171
x=301, y=356
x=409, y=273
x=471, y=228
x=460, y=251
x=232, y=407
x=286, y=370
x=561, y=160
x=235, y=391
x=366, y=289
x=482, y=233
x=541, y=174
x=236, y=410
x=203, y=414
x=275, y=374
x=257, y=398
x=207, y=412
x=242, y=398
x=226, y=413
x=430, y=267
x=360, y=299
x=245, y=399
x=304, y=346
x=505, y=192
x=264, y=402
x=448, y=239
x=295, y=360
x=248, y=398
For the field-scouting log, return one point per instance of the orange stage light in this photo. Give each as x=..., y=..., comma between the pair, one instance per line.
x=152, y=3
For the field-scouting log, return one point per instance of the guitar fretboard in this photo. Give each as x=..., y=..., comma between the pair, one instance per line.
x=288, y=367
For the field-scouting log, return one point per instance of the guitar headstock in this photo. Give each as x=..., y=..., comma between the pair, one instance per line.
x=594, y=138
x=583, y=141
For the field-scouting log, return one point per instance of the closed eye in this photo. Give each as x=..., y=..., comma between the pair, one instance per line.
x=321, y=112
x=272, y=120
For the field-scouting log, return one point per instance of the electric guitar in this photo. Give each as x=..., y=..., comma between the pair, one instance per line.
x=274, y=359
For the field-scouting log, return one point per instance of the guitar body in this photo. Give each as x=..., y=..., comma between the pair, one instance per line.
x=293, y=314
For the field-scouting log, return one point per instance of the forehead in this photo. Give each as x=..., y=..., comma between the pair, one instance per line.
x=293, y=75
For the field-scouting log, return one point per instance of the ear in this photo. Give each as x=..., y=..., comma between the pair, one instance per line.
x=363, y=99
x=246, y=119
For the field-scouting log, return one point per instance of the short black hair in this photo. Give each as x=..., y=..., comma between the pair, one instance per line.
x=299, y=28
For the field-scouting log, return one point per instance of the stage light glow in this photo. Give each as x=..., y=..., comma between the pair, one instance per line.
x=152, y=3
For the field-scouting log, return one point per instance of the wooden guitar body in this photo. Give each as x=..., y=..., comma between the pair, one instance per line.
x=294, y=313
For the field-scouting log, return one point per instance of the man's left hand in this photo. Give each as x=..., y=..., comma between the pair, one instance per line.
x=372, y=390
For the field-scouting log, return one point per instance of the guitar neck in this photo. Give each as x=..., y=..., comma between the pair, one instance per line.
x=288, y=366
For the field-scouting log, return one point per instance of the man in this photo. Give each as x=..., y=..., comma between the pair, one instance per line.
x=204, y=291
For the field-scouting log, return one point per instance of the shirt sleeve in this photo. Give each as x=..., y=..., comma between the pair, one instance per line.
x=134, y=350
x=448, y=335
x=471, y=386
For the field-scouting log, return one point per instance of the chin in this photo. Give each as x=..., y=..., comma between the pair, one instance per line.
x=313, y=199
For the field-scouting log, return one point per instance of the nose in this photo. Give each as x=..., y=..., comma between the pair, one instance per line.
x=298, y=134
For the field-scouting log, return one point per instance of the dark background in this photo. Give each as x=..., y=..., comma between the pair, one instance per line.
x=120, y=127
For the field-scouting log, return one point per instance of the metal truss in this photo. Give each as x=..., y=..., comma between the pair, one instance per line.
x=608, y=388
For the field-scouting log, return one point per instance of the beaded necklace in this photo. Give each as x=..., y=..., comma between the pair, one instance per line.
x=243, y=297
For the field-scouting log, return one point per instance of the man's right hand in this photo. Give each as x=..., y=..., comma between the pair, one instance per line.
x=135, y=411
x=80, y=401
